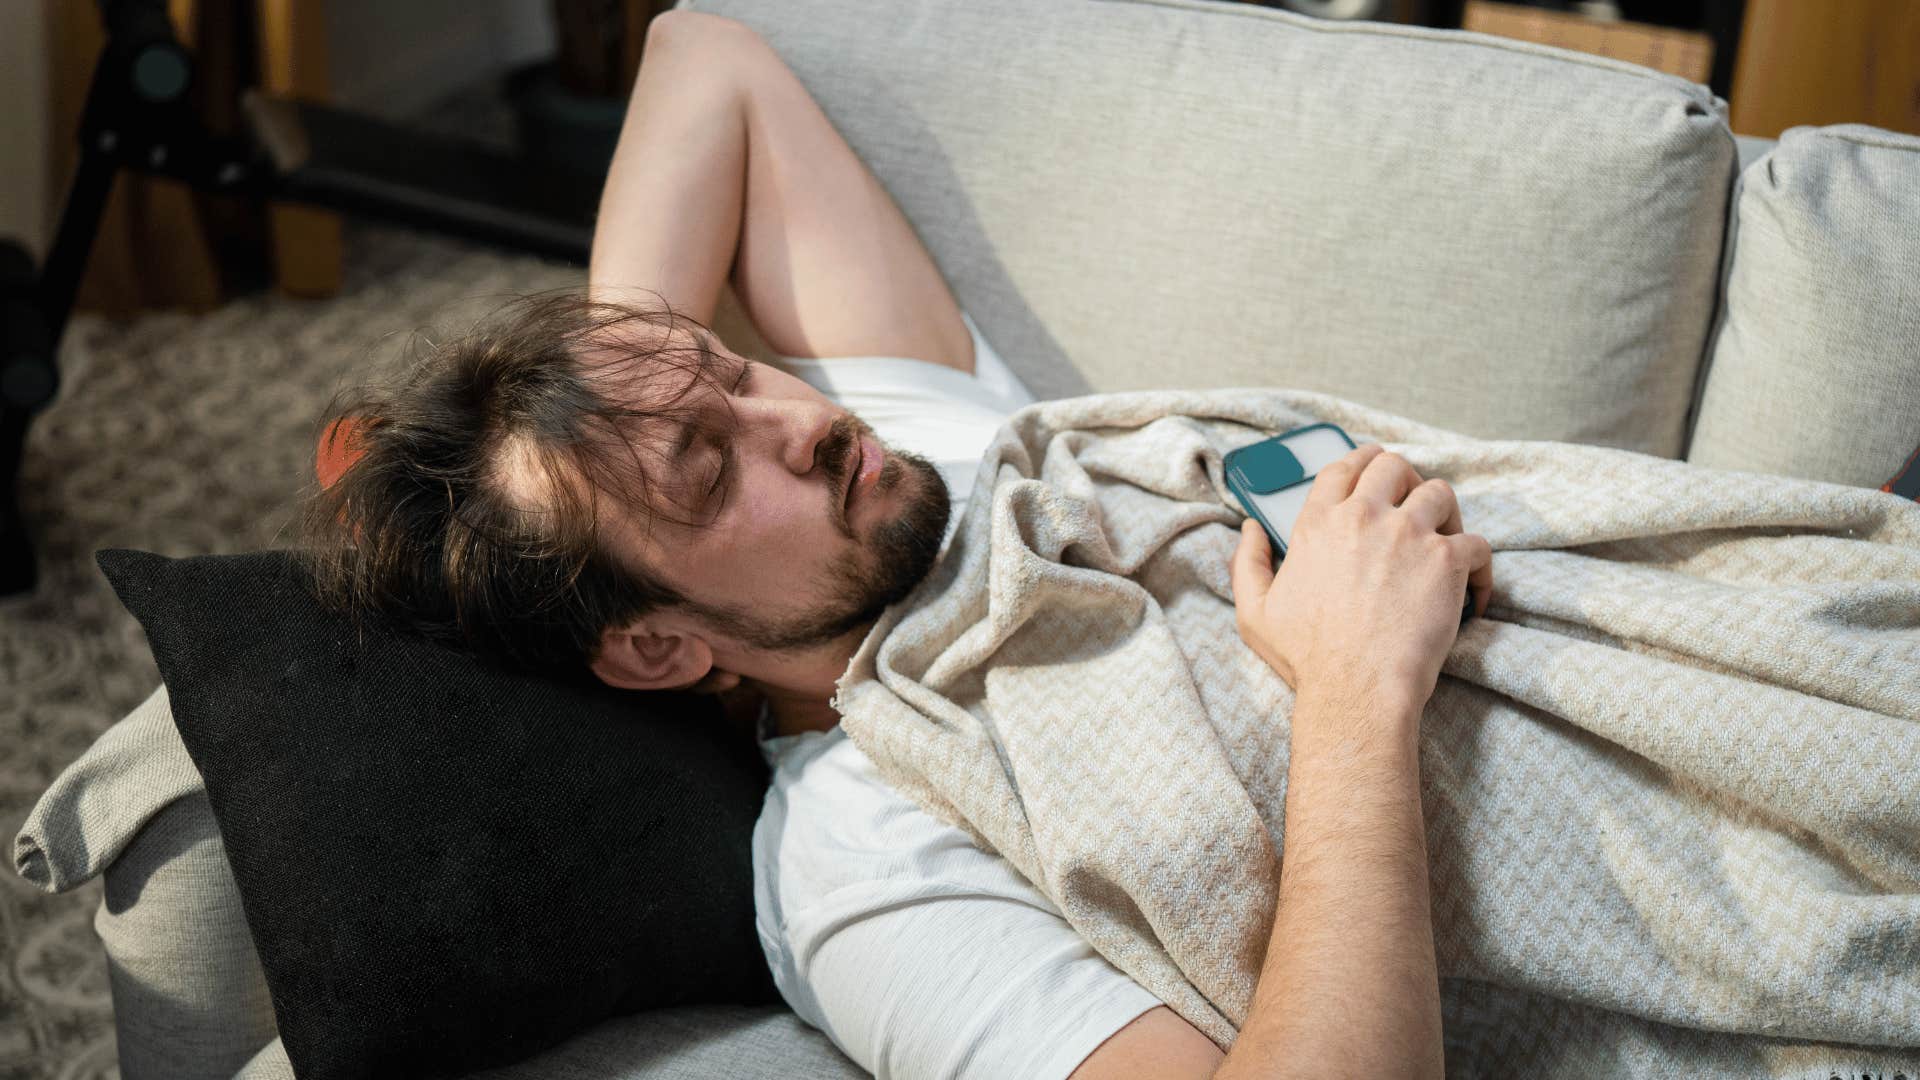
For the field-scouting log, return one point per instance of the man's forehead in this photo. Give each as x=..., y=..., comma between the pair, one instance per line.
x=643, y=365
x=648, y=346
x=667, y=386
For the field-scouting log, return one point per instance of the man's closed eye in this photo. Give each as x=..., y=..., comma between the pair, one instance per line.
x=715, y=496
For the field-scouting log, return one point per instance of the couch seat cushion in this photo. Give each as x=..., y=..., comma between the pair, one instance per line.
x=696, y=1042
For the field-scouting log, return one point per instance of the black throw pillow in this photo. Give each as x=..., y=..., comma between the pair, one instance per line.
x=446, y=866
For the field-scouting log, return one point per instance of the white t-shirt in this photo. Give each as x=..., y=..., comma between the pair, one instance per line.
x=919, y=954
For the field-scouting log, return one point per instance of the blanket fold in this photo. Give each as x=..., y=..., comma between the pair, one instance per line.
x=1669, y=781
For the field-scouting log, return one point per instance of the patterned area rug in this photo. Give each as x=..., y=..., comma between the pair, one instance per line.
x=182, y=435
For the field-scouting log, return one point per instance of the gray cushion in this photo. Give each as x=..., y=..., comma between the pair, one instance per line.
x=189, y=998
x=694, y=1043
x=96, y=806
x=1492, y=236
x=1816, y=367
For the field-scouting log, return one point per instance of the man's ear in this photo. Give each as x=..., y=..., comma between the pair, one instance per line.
x=634, y=657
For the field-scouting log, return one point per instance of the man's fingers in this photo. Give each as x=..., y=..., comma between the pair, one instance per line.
x=1432, y=505
x=1434, y=501
x=1252, y=569
x=1452, y=526
x=1386, y=478
x=1476, y=554
x=1333, y=484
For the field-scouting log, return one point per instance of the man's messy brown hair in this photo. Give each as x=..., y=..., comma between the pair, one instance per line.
x=472, y=512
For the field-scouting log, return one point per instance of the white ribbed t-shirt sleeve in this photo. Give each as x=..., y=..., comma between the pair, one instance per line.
x=922, y=956
x=923, y=979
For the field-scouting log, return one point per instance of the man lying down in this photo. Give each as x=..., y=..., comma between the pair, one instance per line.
x=1117, y=705
x=782, y=510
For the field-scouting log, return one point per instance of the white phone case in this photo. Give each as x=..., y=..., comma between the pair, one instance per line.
x=1316, y=448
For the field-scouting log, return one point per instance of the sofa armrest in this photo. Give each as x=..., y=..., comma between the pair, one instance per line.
x=189, y=996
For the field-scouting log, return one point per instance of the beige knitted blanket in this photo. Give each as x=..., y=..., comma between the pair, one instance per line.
x=1671, y=781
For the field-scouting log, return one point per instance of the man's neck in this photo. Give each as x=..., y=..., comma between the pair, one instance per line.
x=795, y=712
x=799, y=688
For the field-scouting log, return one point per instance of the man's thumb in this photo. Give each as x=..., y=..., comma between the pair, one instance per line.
x=1252, y=567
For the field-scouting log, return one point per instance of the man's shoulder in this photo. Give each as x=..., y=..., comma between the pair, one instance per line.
x=822, y=780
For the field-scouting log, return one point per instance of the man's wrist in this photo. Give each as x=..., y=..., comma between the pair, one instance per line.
x=1375, y=693
x=1348, y=719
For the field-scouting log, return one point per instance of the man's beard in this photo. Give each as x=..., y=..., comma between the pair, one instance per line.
x=900, y=553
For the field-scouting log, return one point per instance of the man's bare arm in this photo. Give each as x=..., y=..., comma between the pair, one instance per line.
x=1357, y=621
x=1349, y=983
x=727, y=170
x=1348, y=986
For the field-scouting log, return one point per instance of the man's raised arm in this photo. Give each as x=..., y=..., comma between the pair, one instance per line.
x=728, y=171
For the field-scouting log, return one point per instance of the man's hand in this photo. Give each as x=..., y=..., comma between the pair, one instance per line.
x=1367, y=601
x=1357, y=621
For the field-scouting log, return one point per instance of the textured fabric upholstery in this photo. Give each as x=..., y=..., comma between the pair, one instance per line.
x=693, y=1043
x=96, y=805
x=1496, y=237
x=1816, y=367
x=189, y=998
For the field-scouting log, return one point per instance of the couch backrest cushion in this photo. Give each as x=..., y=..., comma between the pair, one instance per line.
x=1815, y=370
x=1500, y=238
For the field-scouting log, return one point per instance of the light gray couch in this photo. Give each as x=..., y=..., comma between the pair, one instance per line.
x=1507, y=240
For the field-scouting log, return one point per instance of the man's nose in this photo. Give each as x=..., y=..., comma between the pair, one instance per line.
x=798, y=430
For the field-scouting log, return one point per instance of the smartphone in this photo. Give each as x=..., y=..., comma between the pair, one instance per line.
x=1271, y=479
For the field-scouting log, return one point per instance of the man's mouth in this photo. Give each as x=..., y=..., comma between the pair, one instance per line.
x=864, y=461
x=855, y=458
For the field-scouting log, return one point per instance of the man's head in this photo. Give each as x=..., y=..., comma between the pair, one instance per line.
x=579, y=483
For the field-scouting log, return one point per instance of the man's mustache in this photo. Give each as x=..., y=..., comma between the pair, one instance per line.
x=834, y=455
